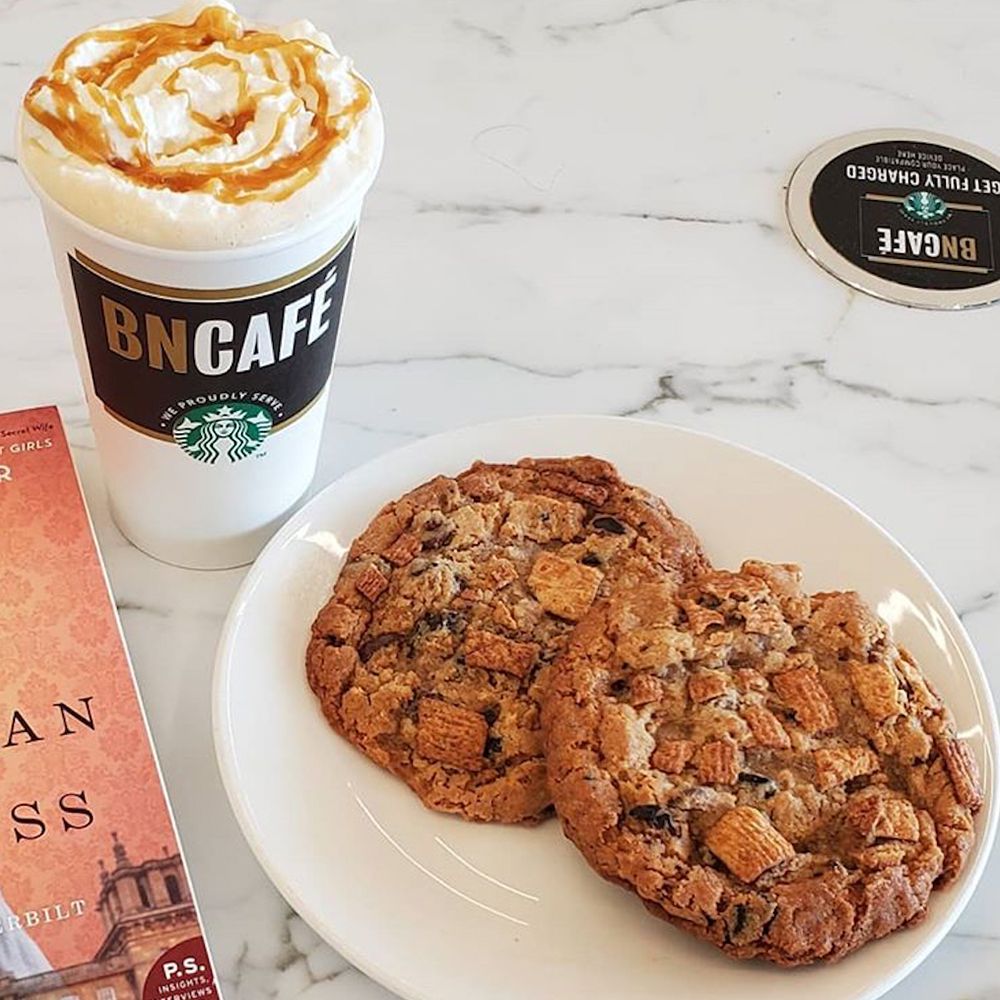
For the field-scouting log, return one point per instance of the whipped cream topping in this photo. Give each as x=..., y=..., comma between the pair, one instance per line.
x=199, y=129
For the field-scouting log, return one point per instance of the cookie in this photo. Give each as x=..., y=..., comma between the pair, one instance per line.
x=767, y=770
x=434, y=649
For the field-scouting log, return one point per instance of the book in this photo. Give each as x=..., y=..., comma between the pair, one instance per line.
x=95, y=898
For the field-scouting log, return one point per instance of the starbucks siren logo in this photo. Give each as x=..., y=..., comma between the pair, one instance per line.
x=922, y=206
x=229, y=431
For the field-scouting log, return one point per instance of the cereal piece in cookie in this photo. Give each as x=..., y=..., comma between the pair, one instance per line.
x=962, y=768
x=563, y=587
x=719, y=762
x=883, y=855
x=496, y=652
x=404, y=548
x=874, y=814
x=371, y=582
x=543, y=519
x=671, y=756
x=877, y=688
x=707, y=684
x=747, y=844
x=802, y=691
x=837, y=765
x=450, y=734
x=766, y=728
x=474, y=524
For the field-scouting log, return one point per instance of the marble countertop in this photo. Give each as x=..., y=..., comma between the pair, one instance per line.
x=581, y=211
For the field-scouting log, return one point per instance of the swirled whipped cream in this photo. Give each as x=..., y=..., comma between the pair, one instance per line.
x=199, y=130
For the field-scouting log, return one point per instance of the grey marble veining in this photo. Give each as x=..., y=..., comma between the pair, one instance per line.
x=581, y=209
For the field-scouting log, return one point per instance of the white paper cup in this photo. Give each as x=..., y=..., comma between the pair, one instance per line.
x=206, y=374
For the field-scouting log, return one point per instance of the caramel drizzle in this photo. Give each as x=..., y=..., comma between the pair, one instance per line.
x=136, y=49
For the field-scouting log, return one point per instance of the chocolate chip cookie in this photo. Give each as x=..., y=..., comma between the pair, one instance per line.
x=434, y=649
x=767, y=770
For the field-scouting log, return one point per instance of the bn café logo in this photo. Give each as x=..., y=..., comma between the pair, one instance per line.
x=228, y=431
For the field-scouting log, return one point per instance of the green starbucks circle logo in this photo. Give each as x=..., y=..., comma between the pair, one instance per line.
x=922, y=206
x=228, y=431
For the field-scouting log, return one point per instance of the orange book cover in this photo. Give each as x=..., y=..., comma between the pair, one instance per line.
x=95, y=901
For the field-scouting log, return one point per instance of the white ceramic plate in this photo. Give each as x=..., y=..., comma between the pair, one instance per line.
x=439, y=909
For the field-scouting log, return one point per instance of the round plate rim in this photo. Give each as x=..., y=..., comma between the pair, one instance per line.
x=225, y=750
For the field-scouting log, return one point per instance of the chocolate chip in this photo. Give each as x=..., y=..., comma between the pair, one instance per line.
x=493, y=746
x=450, y=621
x=656, y=817
x=438, y=540
x=591, y=559
x=856, y=784
x=610, y=524
x=644, y=813
x=491, y=714
x=763, y=783
x=618, y=687
x=739, y=919
x=369, y=648
x=709, y=601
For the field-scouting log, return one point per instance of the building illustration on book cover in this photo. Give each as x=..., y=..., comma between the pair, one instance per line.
x=147, y=910
x=95, y=899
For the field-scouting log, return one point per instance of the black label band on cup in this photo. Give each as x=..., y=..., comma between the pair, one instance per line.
x=215, y=371
x=908, y=216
